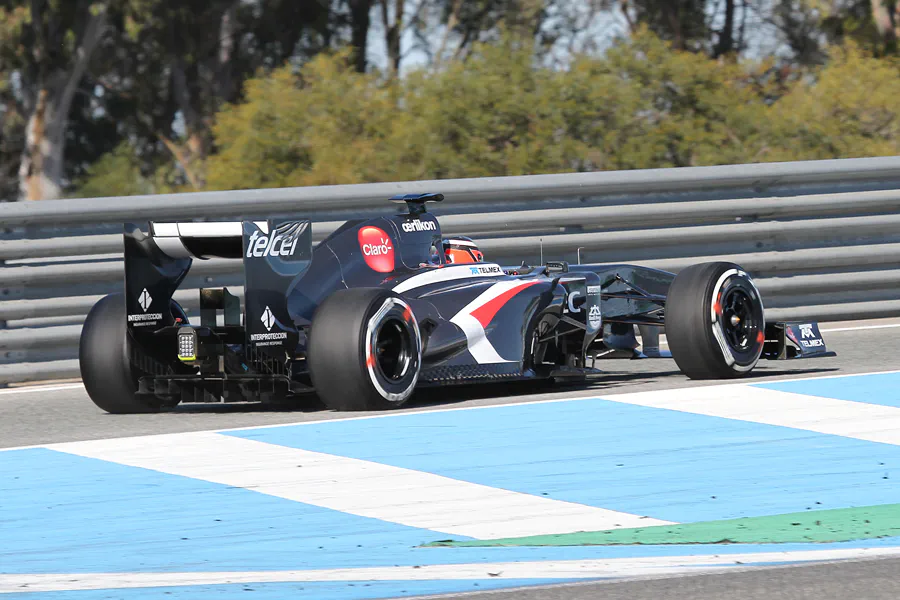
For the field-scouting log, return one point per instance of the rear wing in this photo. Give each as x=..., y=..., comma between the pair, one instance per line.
x=158, y=256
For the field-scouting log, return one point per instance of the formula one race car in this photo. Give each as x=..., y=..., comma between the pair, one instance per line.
x=386, y=305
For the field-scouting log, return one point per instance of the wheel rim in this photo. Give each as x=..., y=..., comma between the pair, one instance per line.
x=393, y=350
x=739, y=324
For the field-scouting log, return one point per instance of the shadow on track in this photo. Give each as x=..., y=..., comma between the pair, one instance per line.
x=612, y=380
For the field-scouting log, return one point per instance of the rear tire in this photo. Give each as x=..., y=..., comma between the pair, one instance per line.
x=365, y=350
x=715, y=324
x=103, y=355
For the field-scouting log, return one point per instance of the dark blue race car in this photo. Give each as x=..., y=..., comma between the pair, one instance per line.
x=386, y=305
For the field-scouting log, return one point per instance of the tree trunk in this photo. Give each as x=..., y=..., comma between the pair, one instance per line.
x=725, y=43
x=35, y=180
x=392, y=33
x=225, y=84
x=884, y=13
x=452, y=20
x=41, y=169
x=672, y=13
x=359, y=26
x=197, y=133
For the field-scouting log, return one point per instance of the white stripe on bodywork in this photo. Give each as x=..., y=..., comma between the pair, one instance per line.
x=205, y=229
x=354, y=486
x=164, y=229
x=458, y=242
x=447, y=273
x=479, y=346
x=169, y=236
x=597, y=568
x=172, y=246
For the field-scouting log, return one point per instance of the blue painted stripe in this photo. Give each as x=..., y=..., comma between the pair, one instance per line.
x=881, y=388
x=664, y=464
x=63, y=513
x=67, y=514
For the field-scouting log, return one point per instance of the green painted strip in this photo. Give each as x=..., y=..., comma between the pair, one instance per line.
x=837, y=525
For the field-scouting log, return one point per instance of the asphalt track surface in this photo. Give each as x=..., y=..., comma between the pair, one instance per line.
x=875, y=579
x=62, y=413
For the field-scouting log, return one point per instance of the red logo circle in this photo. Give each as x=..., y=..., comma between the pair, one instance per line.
x=377, y=248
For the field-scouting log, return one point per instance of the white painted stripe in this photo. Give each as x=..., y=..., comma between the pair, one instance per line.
x=354, y=486
x=743, y=402
x=600, y=568
x=861, y=328
x=447, y=273
x=42, y=388
x=400, y=413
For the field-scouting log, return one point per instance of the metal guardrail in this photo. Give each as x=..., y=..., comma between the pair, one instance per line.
x=821, y=237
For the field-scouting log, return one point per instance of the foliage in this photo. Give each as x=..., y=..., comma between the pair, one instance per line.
x=497, y=114
x=645, y=106
x=121, y=172
x=327, y=127
x=492, y=105
x=848, y=110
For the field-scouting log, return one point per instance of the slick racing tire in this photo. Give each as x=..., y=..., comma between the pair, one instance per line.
x=103, y=355
x=365, y=350
x=715, y=325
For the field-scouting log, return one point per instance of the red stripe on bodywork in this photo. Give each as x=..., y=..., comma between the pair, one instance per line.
x=486, y=312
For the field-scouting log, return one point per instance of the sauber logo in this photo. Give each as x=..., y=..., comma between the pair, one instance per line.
x=377, y=249
x=274, y=245
x=417, y=225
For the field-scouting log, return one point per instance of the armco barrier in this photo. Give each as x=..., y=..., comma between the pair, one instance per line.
x=821, y=237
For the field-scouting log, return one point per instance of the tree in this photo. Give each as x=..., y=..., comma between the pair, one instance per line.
x=45, y=48
x=645, y=106
x=203, y=50
x=328, y=125
x=886, y=14
x=164, y=68
x=467, y=23
x=809, y=27
x=640, y=106
x=715, y=27
x=683, y=22
x=848, y=109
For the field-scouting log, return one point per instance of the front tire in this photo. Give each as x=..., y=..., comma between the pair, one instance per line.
x=104, y=358
x=365, y=350
x=715, y=324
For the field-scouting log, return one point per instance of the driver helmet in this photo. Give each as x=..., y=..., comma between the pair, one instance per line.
x=461, y=250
